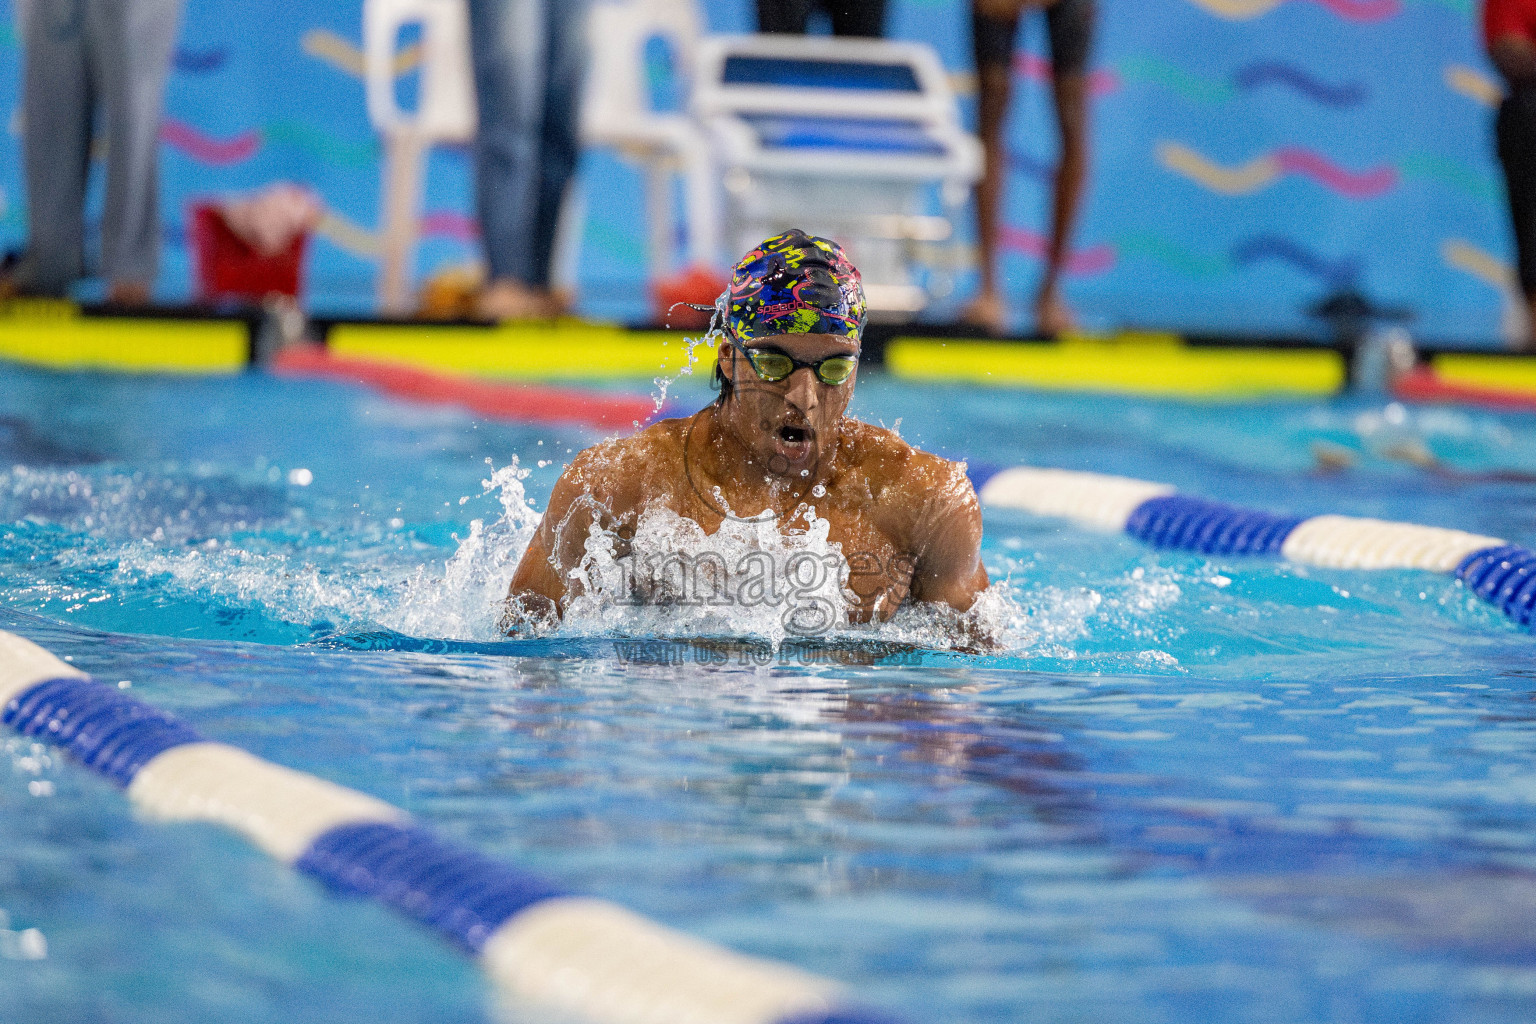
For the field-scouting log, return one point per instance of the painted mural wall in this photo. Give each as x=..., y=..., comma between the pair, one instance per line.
x=1250, y=157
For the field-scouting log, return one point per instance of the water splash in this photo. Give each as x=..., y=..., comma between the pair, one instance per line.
x=238, y=558
x=691, y=345
x=466, y=601
x=746, y=579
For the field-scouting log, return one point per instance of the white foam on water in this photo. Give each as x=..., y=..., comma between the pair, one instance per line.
x=356, y=577
x=285, y=587
x=752, y=579
x=749, y=578
x=466, y=601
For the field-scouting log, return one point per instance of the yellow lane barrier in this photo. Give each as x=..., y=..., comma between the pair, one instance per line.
x=565, y=350
x=50, y=332
x=1136, y=364
x=56, y=334
x=1504, y=373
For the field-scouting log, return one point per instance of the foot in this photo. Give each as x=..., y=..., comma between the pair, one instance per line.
x=1053, y=317
x=128, y=294
x=450, y=293
x=510, y=299
x=10, y=286
x=1528, y=342
x=989, y=312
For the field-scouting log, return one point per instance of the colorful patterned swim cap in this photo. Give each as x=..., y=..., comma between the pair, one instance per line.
x=795, y=283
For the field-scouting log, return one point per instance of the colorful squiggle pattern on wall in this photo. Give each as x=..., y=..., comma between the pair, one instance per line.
x=1082, y=262
x=206, y=149
x=1263, y=171
x=1453, y=173
x=1336, y=273
x=1246, y=154
x=358, y=241
x=1478, y=263
x=1032, y=66
x=1256, y=75
x=188, y=61
x=1248, y=79
x=1474, y=84
x=214, y=152
x=1350, y=10
x=342, y=55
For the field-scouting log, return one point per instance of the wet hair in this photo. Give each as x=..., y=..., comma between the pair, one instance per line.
x=722, y=384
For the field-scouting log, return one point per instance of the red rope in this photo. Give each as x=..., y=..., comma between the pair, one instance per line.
x=525, y=403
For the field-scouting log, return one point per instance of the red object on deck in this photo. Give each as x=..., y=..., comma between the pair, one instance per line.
x=524, y=403
x=698, y=285
x=228, y=267
x=1422, y=384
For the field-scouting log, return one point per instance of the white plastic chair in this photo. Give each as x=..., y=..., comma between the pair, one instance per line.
x=616, y=114
x=445, y=113
x=842, y=137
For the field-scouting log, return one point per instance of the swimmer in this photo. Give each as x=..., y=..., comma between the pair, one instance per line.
x=777, y=444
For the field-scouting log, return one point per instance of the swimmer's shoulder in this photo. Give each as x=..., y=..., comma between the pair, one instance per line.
x=622, y=466
x=888, y=461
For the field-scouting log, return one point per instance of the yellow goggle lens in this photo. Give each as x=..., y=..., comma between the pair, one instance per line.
x=775, y=366
x=836, y=369
x=772, y=365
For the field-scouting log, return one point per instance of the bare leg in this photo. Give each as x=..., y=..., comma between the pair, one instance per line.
x=1071, y=93
x=128, y=294
x=995, y=85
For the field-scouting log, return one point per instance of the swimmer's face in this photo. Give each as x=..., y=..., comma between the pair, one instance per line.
x=790, y=425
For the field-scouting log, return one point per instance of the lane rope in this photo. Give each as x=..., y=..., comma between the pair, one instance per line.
x=1500, y=573
x=540, y=943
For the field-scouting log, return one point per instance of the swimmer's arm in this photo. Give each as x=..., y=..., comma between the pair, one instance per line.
x=539, y=589
x=949, y=569
x=949, y=574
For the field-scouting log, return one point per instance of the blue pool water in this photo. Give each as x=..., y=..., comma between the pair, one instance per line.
x=1190, y=789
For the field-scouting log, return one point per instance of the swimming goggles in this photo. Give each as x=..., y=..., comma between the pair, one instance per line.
x=774, y=365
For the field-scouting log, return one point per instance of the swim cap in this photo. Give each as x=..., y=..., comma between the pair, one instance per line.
x=795, y=283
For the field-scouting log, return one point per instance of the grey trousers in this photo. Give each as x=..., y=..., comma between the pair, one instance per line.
x=81, y=55
x=529, y=57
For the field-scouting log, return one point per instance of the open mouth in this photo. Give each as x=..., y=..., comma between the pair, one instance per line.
x=794, y=444
x=794, y=435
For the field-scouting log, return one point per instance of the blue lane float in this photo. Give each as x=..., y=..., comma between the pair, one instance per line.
x=1194, y=524
x=1500, y=573
x=1504, y=576
x=105, y=730
x=458, y=892
x=572, y=956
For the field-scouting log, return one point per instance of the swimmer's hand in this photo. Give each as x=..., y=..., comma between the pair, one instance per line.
x=968, y=632
x=528, y=614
